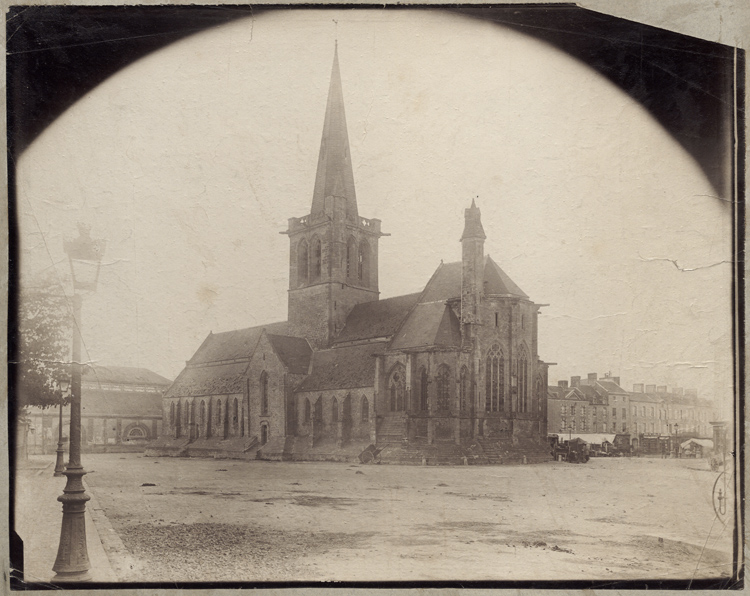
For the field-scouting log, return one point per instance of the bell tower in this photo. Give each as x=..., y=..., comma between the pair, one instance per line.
x=333, y=262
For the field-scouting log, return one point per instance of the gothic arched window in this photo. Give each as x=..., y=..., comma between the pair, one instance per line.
x=397, y=387
x=203, y=417
x=423, y=396
x=302, y=263
x=363, y=263
x=365, y=409
x=523, y=382
x=463, y=389
x=335, y=411
x=318, y=412
x=495, y=380
x=351, y=256
x=317, y=259
x=443, y=388
x=264, y=394
x=171, y=414
x=307, y=410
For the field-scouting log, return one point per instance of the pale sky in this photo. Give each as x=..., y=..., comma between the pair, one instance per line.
x=190, y=161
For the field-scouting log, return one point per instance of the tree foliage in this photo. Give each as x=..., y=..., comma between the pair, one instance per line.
x=45, y=326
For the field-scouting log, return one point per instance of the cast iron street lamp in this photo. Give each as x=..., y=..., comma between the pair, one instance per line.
x=60, y=464
x=72, y=563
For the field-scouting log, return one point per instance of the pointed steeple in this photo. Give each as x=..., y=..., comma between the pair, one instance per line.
x=473, y=223
x=335, y=176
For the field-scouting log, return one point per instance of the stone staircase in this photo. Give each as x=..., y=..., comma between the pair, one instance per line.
x=391, y=429
x=506, y=451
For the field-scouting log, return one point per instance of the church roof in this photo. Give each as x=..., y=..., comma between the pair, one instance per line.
x=334, y=176
x=216, y=379
x=446, y=282
x=122, y=375
x=294, y=352
x=496, y=281
x=233, y=345
x=431, y=324
x=380, y=318
x=346, y=367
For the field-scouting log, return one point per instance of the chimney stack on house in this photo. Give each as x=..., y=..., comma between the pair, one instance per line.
x=592, y=376
x=575, y=381
x=637, y=387
x=650, y=388
x=563, y=384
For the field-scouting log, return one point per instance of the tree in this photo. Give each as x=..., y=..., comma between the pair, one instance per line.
x=45, y=325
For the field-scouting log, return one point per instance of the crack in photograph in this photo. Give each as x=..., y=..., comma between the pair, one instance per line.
x=379, y=296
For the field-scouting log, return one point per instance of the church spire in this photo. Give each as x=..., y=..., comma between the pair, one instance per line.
x=334, y=177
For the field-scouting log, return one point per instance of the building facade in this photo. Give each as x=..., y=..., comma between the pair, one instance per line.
x=120, y=407
x=650, y=414
x=455, y=364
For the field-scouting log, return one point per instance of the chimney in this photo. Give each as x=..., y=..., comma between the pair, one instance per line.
x=615, y=380
x=575, y=381
x=563, y=384
x=637, y=387
x=678, y=391
x=691, y=392
x=661, y=389
x=592, y=376
x=650, y=388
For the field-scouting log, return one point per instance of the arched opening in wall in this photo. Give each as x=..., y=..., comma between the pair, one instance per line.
x=264, y=393
x=178, y=420
x=302, y=263
x=365, y=410
x=463, y=389
x=334, y=411
x=202, y=420
x=396, y=388
x=235, y=415
x=317, y=259
x=308, y=411
x=136, y=432
x=523, y=382
x=318, y=410
x=443, y=388
x=351, y=256
x=171, y=414
x=540, y=395
x=423, y=384
x=495, y=380
x=346, y=417
x=263, y=433
x=363, y=263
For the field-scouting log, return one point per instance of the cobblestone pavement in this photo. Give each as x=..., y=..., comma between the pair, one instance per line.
x=224, y=520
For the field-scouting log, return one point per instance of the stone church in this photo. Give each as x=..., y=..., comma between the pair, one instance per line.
x=450, y=374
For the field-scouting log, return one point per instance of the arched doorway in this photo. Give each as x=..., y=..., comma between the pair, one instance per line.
x=263, y=433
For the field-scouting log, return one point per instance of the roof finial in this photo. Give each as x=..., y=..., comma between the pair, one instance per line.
x=336, y=35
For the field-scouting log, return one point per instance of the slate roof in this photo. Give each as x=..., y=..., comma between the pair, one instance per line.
x=610, y=386
x=102, y=403
x=380, y=318
x=345, y=367
x=446, y=282
x=233, y=345
x=122, y=375
x=429, y=324
x=294, y=352
x=216, y=379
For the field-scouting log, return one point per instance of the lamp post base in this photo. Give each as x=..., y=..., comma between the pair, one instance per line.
x=60, y=463
x=72, y=563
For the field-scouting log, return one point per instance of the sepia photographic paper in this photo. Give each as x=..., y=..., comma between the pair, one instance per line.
x=402, y=296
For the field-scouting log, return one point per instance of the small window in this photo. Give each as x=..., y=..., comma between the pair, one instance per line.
x=496, y=320
x=365, y=409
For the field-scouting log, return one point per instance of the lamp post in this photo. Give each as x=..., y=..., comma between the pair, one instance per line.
x=72, y=563
x=60, y=464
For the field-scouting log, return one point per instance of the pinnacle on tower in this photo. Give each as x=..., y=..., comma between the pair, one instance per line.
x=335, y=177
x=473, y=223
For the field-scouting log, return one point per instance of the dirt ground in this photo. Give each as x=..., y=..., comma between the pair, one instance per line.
x=223, y=520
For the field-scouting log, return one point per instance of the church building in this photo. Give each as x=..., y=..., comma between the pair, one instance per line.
x=450, y=374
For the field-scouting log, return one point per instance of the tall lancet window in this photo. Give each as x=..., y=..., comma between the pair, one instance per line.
x=397, y=388
x=302, y=263
x=523, y=383
x=495, y=379
x=351, y=257
x=264, y=394
x=317, y=258
x=463, y=389
x=443, y=388
x=363, y=263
